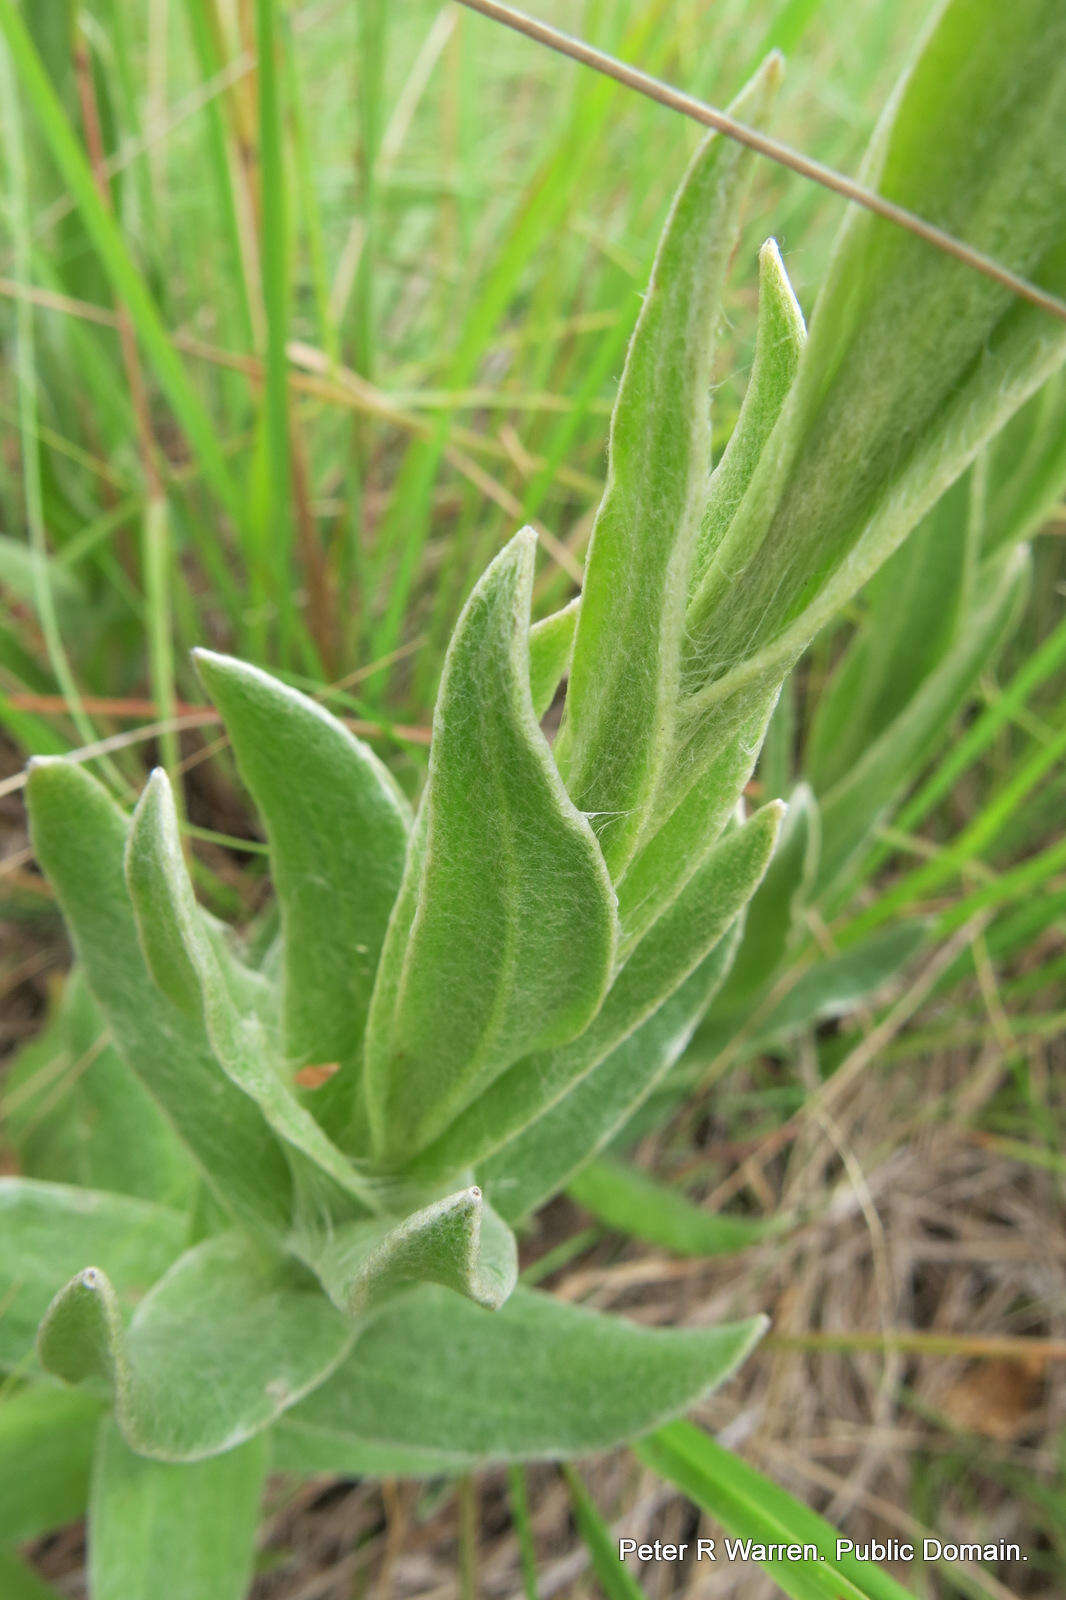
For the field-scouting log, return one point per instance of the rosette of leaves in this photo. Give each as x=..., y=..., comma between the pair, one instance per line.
x=314, y=1268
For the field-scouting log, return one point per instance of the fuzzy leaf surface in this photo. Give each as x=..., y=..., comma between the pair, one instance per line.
x=536, y=1380
x=337, y=828
x=504, y=931
x=551, y=645
x=459, y=1242
x=774, y=908
x=184, y=960
x=914, y=360
x=546, y=1154
x=192, y=1526
x=673, y=949
x=624, y=677
x=226, y=1341
x=779, y=340
x=168, y=1050
x=52, y=1230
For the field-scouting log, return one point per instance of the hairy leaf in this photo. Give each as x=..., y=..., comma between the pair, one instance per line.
x=779, y=339
x=459, y=1242
x=188, y=966
x=187, y=1530
x=624, y=677
x=337, y=828
x=51, y=1231
x=221, y=1127
x=657, y=967
x=551, y=645
x=226, y=1341
x=503, y=935
x=914, y=360
x=544, y=1156
x=535, y=1380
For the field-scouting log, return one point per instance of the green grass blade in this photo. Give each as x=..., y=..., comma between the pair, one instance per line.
x=615, y=1581
x=274, y=245
x=523, y=1527
x=627, y=1199
x=749, y=1506
x=111, y=247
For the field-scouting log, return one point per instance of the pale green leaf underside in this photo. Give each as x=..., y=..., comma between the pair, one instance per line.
x=503, y=934
x=535, y=1380
x=185, y=1531
x=225, y=1342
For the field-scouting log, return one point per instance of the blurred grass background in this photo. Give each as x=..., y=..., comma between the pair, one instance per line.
x=304, y=308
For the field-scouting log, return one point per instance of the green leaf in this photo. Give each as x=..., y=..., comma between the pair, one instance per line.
x=855, y=805
x=773, y=912
x=831, y=988
x=551, y=645
x=535, y=1380
x=545, y=1155
x=658, y=966
x=221, y=1127
x=602, y=1547
x=110, y=245
x=77, y=1114
x=189, y=967
x=225, y=1342
x=914, y=360
x=459, y=1242
x=624, y=677
x=51, y=1231
x=779, y=339
x=503, y=934
x=915, y=607
x=627, y=1199
x=677, y=849
x=190, y=1528
x=337, y=829
x=46, y=1445
x=749, y=1506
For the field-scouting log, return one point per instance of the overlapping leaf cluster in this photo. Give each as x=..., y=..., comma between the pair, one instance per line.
x=294, y=1209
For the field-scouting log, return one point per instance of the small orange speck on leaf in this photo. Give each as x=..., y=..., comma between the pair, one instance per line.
x=313, y=1077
